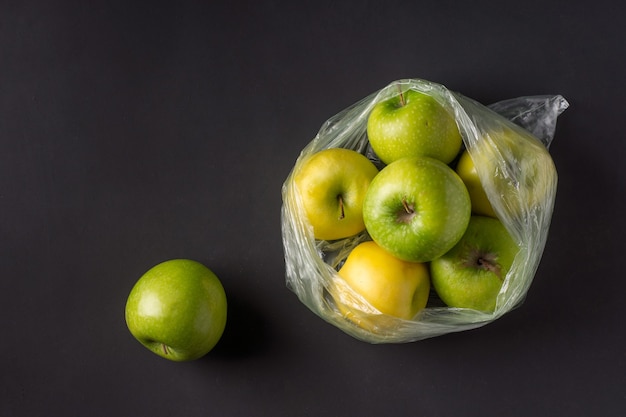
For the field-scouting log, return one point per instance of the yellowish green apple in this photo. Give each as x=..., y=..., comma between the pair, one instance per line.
x=467, y=172
x=413, y=123
x=517, y=167
x=332, y=184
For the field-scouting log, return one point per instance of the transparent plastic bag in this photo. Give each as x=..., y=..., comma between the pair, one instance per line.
x=311, y=265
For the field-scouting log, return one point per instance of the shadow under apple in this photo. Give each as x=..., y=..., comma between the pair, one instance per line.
x=246, y=333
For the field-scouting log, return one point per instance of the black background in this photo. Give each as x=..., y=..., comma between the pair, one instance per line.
x=135, y=132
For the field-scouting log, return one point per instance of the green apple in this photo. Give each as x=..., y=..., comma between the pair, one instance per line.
x=413, y=124
x=467, y=172
x=177, y=310
x=392, y=286
x=471, y=274
x=416, y=208
x=332, y=184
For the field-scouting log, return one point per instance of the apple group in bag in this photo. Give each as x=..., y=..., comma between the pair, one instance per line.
x=418, y=211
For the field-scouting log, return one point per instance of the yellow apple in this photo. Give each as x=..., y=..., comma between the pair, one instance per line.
x=332, y=184
x=391, y=286
x=467, y=171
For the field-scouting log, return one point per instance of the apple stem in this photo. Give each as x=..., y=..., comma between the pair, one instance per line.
x=406, y=213
x=408, y=209
x=490, y=266
x=402, y=100
x=342, y=213
x=486, y=261
x=165, y=351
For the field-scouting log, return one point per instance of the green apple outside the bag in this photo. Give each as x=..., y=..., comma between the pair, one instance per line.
x=177, y=310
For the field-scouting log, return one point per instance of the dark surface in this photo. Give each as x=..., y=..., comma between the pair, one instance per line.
x=132, y=133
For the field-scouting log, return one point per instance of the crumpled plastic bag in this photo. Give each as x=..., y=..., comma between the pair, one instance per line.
x=525, y=211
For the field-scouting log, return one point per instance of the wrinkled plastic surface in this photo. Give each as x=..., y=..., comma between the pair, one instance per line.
x=517, y=159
